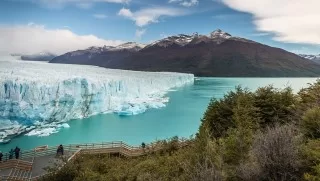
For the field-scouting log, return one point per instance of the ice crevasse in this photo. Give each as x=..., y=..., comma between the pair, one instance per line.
x=38, y=98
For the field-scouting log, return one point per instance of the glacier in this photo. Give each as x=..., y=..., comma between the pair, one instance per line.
x=38, y=98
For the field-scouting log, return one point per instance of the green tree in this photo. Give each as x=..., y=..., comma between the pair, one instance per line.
x=310, y=123
x=239, y=138
x=275, y=106
x=310, y=97
x=218, y=116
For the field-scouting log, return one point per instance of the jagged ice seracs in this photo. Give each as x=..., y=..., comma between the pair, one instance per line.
x=38, y=98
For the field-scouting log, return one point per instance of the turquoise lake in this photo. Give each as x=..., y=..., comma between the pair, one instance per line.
x=181, y=117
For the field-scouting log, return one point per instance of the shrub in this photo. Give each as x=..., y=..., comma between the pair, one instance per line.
x=239, y=139
x=205, y=162
x=236, y=145
x=310, y=97
x=69, y=172
x=203, y=171
x=218, y=117
x=274, y=106
x=310, y=123
x=265, y=107
x=311, y=153
x=275, y=156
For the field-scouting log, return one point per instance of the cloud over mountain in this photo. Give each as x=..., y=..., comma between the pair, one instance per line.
x=146, y=16
x=31, y=38
x=293, y=21
x=185, y=3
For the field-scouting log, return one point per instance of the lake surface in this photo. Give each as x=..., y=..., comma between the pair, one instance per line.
x=181, y=117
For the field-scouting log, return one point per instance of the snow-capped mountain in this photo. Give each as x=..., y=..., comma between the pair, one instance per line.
x=218, y=36
x=180, y=40
x=131, y=46
x=42, y=56
x=216, y=54
x=315, y=58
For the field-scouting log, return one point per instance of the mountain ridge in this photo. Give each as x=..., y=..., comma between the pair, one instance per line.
x=314, y=58
x=216, y=54
x=41, y=56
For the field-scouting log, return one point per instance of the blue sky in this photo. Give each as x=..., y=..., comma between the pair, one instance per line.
x=97, y=22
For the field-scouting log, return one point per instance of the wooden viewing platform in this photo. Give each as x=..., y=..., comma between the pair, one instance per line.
x=30, y=166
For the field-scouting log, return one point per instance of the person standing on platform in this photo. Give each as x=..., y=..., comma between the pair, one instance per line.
x=17, y=152
x=1, y=155
x=60, y=150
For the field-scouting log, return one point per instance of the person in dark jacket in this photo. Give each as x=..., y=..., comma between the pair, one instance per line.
x=17, y=152
x=60, y=150
x=1, y=155
x=61, y=147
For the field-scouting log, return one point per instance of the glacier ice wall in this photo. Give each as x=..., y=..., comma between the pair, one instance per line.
x=36, y=96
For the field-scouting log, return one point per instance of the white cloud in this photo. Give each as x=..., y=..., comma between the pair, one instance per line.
x=189, y=3
x=100, y=16
x=29, y=39
x=126, y=13
x=185, y=3
x=140, y=32
x=146, y=16
x=84, y=4
x=294, y=21
x=82, y=1
x=30, y=24
x=260, y=34
x=225, y=16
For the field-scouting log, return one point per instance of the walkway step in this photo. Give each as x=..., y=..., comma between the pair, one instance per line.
x=19, y=175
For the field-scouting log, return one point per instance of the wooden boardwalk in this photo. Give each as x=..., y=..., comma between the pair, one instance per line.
x=32, y=164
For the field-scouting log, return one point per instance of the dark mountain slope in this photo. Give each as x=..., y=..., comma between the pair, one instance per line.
x=218, y=54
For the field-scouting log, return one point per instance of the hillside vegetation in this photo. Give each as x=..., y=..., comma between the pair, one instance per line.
x=269, y=134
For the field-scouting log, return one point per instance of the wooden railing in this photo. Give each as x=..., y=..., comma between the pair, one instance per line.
x=19, y=169
x=90, y=147
x=20, y=164
x=117, y=147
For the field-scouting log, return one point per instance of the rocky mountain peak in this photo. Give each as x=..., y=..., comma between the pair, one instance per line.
x=132, y=46
x=219, y=34
x=314, y=58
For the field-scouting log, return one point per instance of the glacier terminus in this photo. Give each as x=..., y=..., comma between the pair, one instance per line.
x=37, y=98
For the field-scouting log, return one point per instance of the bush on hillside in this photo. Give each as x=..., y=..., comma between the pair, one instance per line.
x=274, y=155
x=310, y=123
x=218, y=117
x=204, y=170
x=265, y=107
x=309, y=97
x=311, y=153
x=274, y=106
